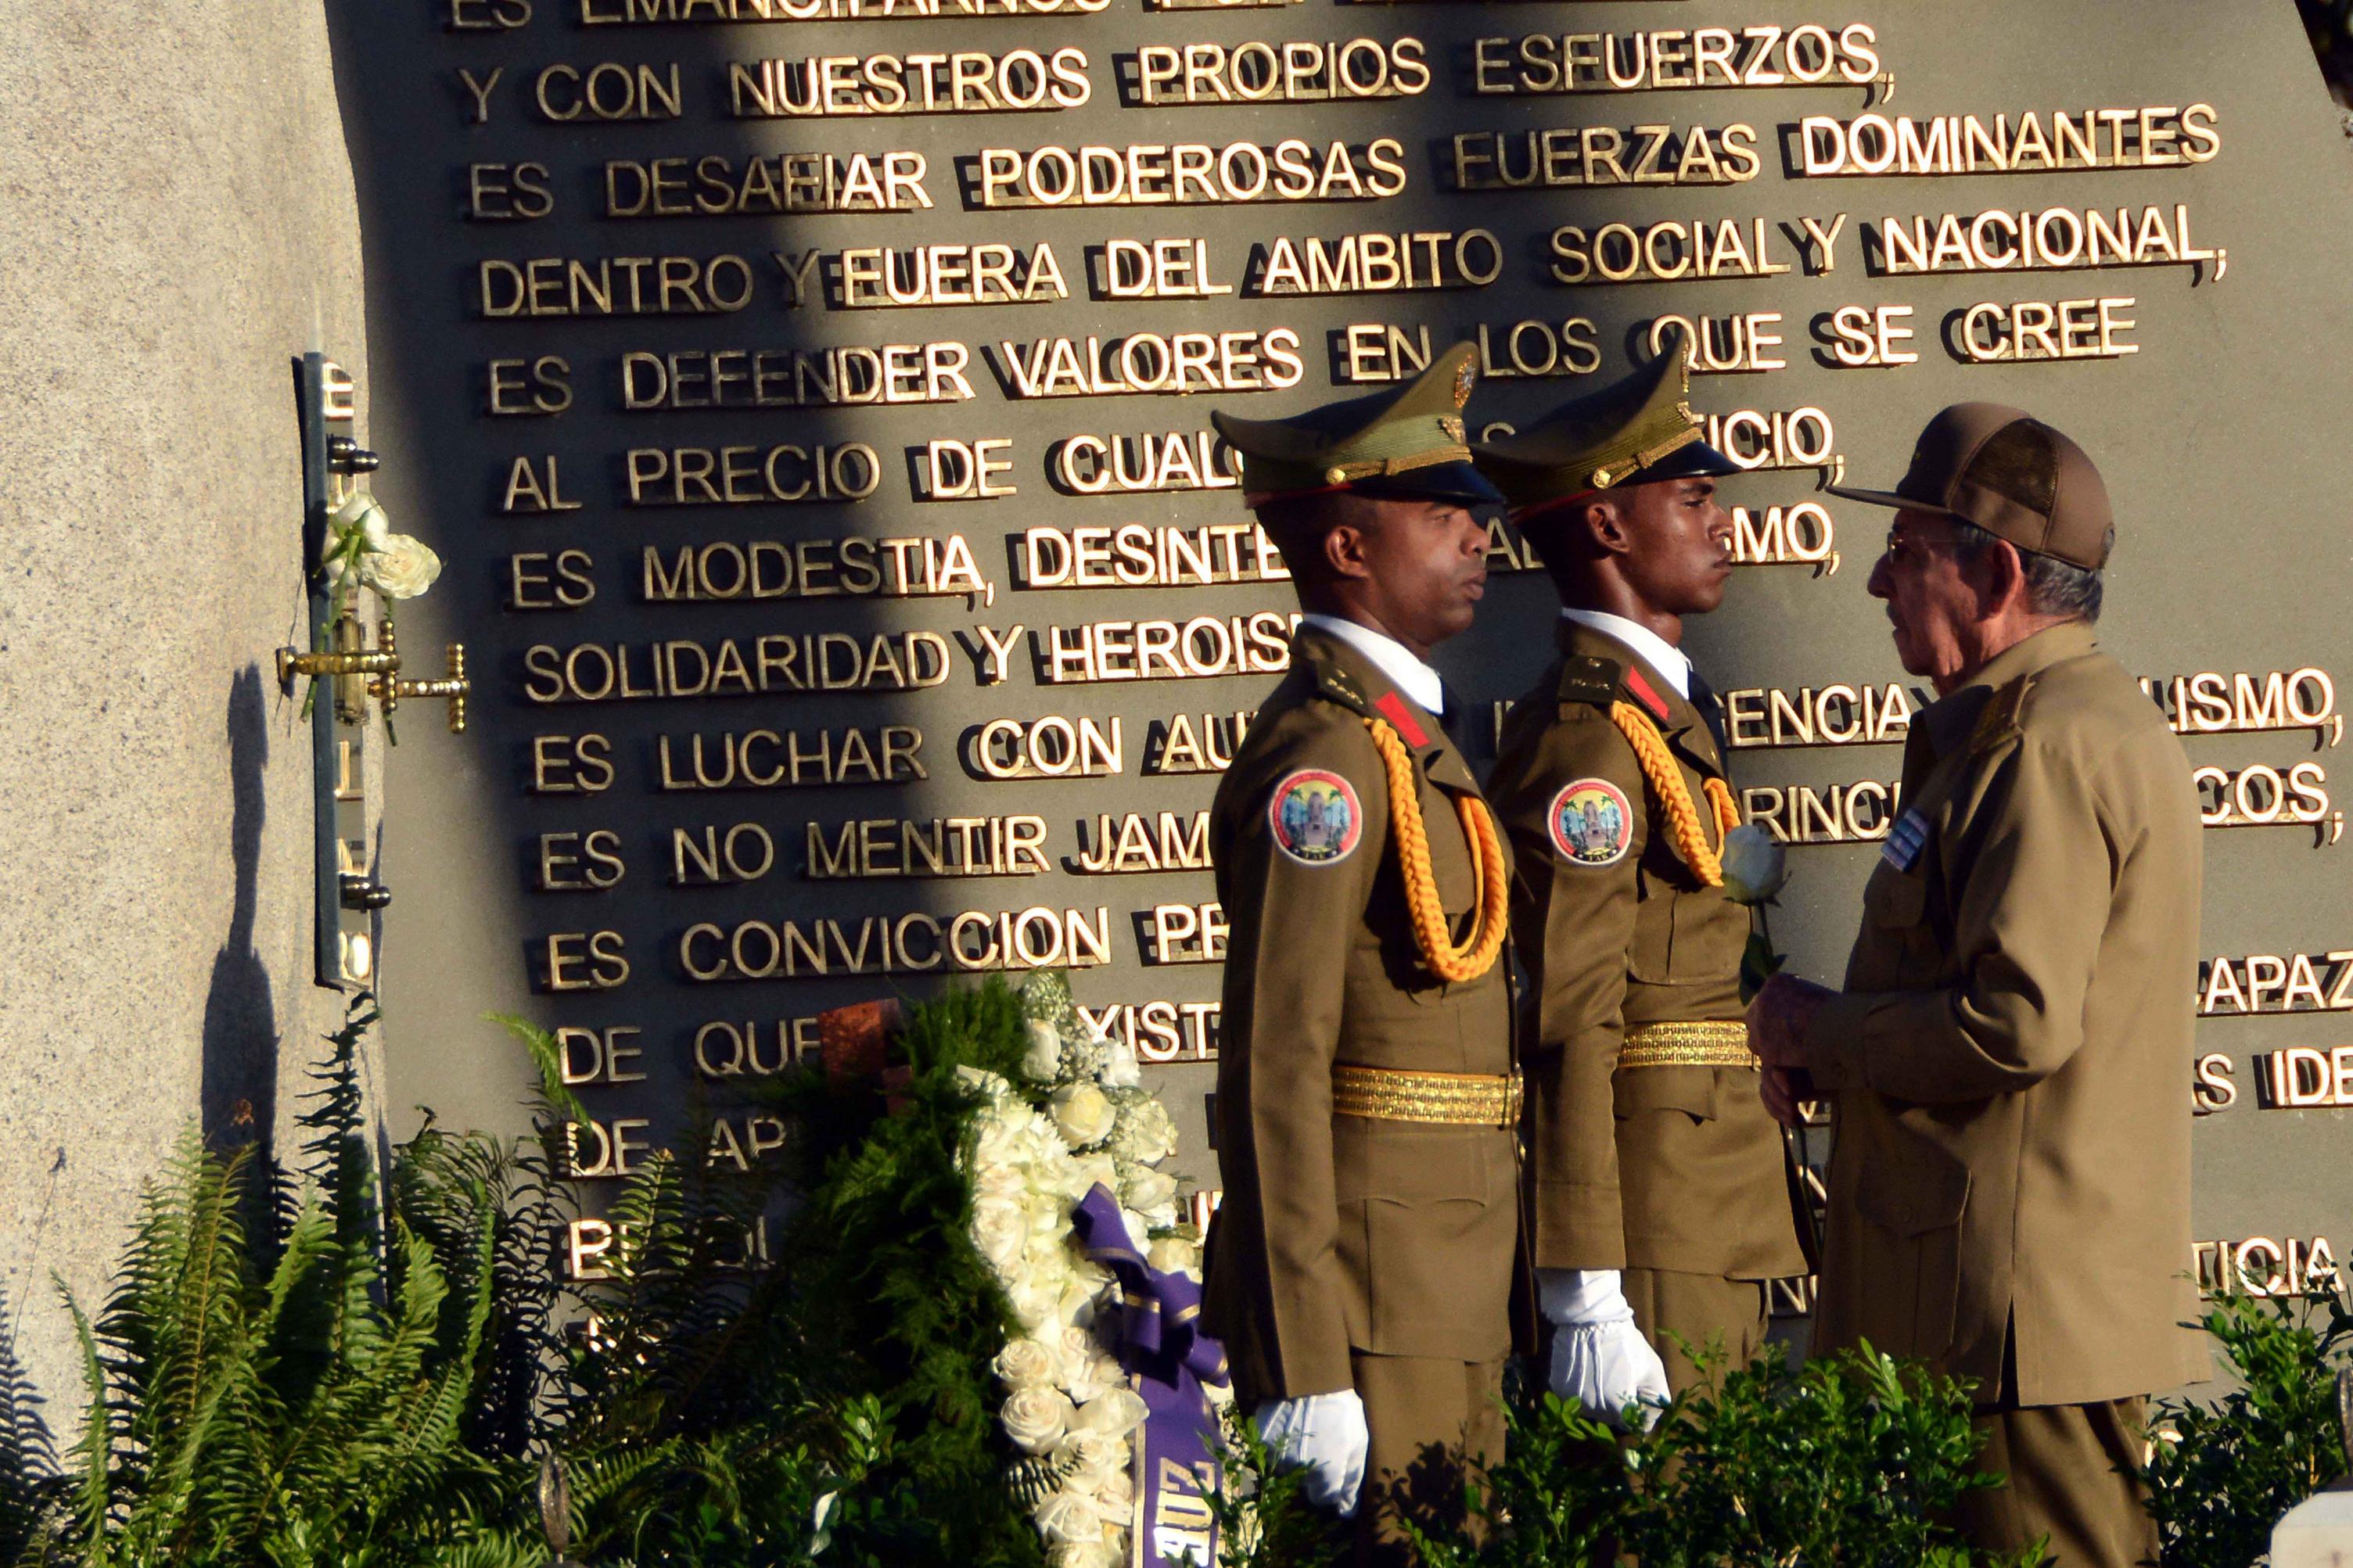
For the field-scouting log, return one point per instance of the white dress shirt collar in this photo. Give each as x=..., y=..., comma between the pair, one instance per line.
x=1672, y=665
x=1407, y=673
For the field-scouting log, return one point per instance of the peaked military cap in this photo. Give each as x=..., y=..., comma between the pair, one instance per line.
x=1405, y=442
x=1632, y=432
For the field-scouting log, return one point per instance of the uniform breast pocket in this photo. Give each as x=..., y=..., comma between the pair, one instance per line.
x=1684, y=936
x=1912, y=1277
x=1902, y=948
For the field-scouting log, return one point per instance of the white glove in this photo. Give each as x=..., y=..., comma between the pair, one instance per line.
x=1599, y=1357
x=1323, y=1434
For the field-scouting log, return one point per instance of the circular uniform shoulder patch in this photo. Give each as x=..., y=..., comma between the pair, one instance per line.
x=1591, y=823
x=1315, y=818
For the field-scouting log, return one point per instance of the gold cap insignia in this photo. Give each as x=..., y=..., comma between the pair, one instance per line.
x=1464, y=376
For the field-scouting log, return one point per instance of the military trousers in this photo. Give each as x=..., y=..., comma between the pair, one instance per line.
x=1704, y=1309
x=2074, y=1476
x=1432, y=1422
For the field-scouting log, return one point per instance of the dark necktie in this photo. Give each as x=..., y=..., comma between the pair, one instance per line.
x=1452, y=716
x=1704, y=698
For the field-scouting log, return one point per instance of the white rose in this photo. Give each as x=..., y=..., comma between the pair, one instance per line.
x=1088, y=1369
x=402, y=568
x=1001, y=1230
x=1082, y=1297
x=1755, y=865
x=1139, y=1229
x=1147, y=1134
x=988, y=1084
x=1117, y=1493
x=1094, y=1377
x=1092, y=1171
x=1175, y=1255
x=999, y=1181
x=1083, y=1114
x=1093, y=1459
x=1036, y=1301
x=363, y=513
x=1036, y=1418
x=1043, y=1060
x=1028, y=1363
x=1115, y=1412
x=1146, y=1189
x=1082, y=1554
x=998, y=1140
x=1050, y=1217
x=1071, y=1517
x=1120, y=1070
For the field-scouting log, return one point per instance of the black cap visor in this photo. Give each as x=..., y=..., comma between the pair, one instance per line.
x=1441, y=481
x=1692, y=460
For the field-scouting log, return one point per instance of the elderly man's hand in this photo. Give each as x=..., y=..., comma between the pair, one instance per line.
x=1785, y=1092
x=1777, y=1021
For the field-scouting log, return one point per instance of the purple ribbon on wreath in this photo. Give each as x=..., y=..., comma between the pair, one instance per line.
x=1162, y=1348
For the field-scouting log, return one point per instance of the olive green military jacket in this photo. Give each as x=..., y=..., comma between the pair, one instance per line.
x=1342, y=1232
x=2007, y=1060
x=1651, y=1167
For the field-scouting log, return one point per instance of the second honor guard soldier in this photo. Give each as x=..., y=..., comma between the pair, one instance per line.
x=1362, y=1265
x=1661, y=1197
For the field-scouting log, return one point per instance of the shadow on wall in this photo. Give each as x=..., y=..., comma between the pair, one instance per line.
x=239, y=1091
x=427, y=104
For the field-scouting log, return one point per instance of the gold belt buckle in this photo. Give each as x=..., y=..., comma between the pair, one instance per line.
x=1722, y=1042
x=1452, y=1098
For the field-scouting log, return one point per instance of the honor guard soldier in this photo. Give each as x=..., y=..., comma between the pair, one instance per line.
x=1361, y=1269
x=2009, y=1187
x=1663, y=1199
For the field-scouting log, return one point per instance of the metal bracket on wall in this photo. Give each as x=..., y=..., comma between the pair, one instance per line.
x=347, y=898
x=345, y=674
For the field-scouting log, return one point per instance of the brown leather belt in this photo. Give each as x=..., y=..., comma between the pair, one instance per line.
x=1459, y=1099
x=1722, y=1044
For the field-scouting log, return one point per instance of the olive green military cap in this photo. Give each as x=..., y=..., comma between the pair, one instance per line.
x=2011, y=474
x=1405, y=442
x=1632, y=432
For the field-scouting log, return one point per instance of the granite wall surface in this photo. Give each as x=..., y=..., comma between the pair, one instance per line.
x=177, y=222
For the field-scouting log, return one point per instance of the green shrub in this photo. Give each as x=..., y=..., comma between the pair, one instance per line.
x=303, y=1367
x=1852, y=1460
x=2222, y=1471
x=326, y=1366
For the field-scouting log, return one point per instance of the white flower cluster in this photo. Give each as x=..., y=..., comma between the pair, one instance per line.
x=1078, y=1119
x=362, y=548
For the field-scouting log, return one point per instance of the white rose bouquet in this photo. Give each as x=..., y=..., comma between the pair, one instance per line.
x=1073, y=1117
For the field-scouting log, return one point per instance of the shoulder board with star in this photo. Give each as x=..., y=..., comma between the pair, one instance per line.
x=1999, y=719
x=1335, y=685
x=1586, y=680
x=1602, y=682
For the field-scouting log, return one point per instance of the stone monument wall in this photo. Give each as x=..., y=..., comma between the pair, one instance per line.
x=176, y=224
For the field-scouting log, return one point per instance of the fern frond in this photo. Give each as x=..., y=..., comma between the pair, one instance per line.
x=93, y=1451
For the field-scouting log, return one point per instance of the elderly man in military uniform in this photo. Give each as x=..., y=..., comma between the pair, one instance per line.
x=1662, y=1198
x=1361, y=1269
x=2010, y=1189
